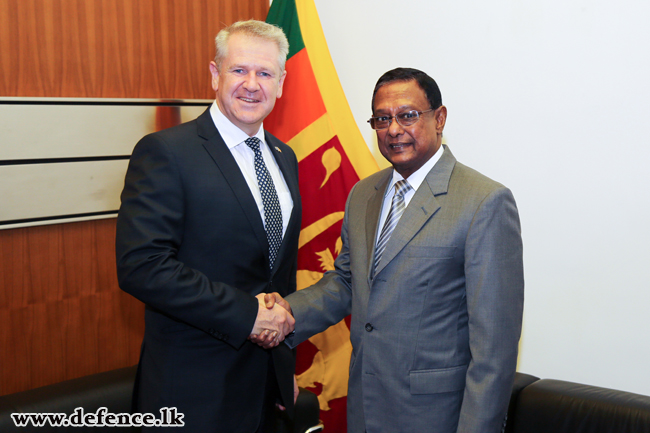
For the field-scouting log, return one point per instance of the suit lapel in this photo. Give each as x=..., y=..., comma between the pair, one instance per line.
x=373, y=212
x=226, y=163
x=422, y=207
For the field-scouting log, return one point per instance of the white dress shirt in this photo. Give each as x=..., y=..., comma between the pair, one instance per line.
x=415, y=180
x=245, y=158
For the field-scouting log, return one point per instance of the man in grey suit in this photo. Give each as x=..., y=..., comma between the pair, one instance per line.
x=431, y=271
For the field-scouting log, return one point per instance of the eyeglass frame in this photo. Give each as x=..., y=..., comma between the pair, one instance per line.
x=390, y=118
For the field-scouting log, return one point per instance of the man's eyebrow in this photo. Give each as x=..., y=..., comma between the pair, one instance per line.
x=250, y=67
x=400, y=108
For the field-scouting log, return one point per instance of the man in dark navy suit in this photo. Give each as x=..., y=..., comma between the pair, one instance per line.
x=210, y=219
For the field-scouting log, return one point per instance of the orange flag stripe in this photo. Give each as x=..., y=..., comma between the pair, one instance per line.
x=306, y=105
x=338, y=110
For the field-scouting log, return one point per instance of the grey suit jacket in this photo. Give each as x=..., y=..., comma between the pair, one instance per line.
x=435, y=332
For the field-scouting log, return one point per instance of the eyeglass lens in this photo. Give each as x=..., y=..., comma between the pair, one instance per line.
x=405, y=119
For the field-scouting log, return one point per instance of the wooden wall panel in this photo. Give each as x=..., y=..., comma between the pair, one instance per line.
x=113, y=48
x=62, y=314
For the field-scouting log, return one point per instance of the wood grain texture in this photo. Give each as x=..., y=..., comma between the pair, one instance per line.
x=62, y=314
x=113, y=48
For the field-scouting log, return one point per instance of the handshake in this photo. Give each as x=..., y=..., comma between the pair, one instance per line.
x=274, y=320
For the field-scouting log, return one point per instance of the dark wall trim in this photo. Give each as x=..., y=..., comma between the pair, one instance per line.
x=61, y=160
x=106, y=101
x=59, y=218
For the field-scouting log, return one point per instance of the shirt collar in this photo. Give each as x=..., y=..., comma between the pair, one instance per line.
x=416, y=179
x=230, y=133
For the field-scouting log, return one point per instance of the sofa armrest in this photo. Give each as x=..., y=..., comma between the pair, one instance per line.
x=556, y=406
x=111, y=389
x=521, y=381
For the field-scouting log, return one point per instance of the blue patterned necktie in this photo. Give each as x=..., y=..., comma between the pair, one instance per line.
x=272, y=210
x=397, y=207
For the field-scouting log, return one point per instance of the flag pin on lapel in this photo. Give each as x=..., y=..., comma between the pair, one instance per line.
x=278, y=149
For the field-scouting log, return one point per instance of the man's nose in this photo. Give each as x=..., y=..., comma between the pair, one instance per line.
x=394, y=128
x=251, y=83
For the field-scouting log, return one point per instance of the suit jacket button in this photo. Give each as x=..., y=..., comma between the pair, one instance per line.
x=369, y=327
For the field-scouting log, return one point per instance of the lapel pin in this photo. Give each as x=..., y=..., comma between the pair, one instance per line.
x=278, y=149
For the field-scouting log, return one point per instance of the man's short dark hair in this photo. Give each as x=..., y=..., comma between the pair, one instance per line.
x=426, y=83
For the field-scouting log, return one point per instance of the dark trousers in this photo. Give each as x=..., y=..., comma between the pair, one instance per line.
x=270, y=413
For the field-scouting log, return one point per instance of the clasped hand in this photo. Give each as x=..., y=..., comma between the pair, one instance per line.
x=274, y=320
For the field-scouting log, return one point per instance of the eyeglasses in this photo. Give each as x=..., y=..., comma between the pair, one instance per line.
x=407, y=118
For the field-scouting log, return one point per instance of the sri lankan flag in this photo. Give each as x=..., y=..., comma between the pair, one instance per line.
x=314, y=118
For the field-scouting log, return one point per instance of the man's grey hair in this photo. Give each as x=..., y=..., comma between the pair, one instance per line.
x=253, y=28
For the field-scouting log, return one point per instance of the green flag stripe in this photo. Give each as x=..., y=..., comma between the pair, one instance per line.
x=283, y=14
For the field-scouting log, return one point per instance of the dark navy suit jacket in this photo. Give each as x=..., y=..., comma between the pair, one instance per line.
x=191, y=245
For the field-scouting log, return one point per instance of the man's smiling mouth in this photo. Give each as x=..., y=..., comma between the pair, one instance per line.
x=248, y=99
x=398, y=146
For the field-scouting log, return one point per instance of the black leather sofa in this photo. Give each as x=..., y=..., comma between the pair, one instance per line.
x=555, y=406
x=111, y=390
x=536, y=406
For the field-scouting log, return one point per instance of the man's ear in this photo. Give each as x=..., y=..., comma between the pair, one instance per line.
x=214, y=71
x=280, y=83
x=441, y=118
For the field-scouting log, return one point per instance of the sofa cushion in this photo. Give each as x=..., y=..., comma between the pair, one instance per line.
x=555, y=406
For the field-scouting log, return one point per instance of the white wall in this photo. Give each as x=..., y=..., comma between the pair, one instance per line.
x=551, y=99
